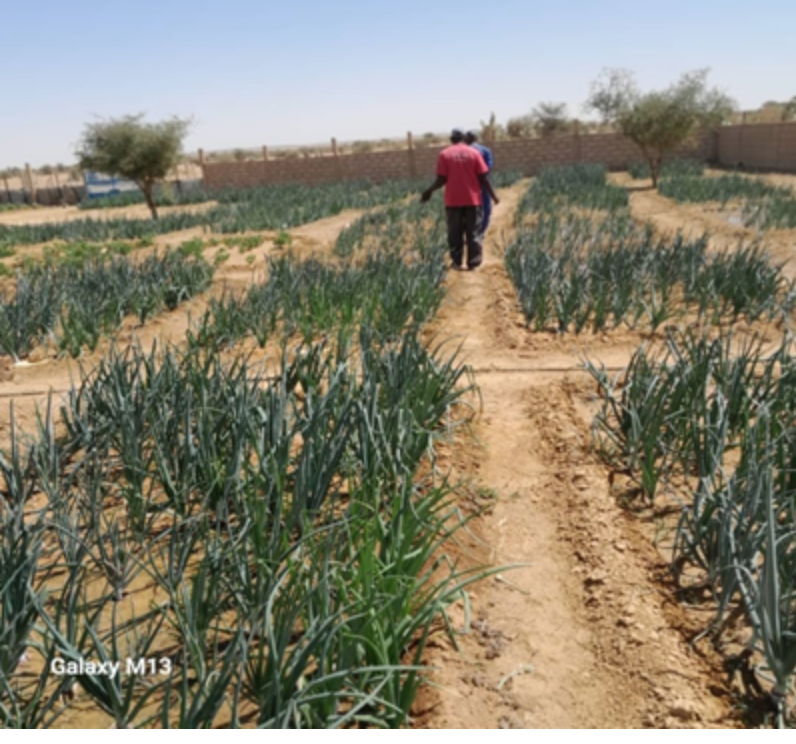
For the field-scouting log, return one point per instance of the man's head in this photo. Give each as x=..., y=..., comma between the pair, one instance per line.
x=470, y=136
x=457, y=136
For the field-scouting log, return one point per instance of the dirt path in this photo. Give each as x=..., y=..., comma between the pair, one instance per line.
x=582, y=635
x=42, y=215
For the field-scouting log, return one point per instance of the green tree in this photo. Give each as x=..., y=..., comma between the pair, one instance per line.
x=789, y=110
x=131, y=148
x=550, y=118
x=659, y=121
x=519, y=127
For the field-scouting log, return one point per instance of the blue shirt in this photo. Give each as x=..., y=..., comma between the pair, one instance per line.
x=486, y=154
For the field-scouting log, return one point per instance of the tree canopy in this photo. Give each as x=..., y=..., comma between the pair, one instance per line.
x=659, y=121
x=550, y=118
x=131, y=148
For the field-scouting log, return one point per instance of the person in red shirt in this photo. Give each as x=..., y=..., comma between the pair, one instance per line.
x=463, y=173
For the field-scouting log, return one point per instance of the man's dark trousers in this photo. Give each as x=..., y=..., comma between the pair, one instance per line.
x=463, y=223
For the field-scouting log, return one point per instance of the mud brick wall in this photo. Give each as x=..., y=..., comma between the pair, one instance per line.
x=763, y=146
x=527, y=155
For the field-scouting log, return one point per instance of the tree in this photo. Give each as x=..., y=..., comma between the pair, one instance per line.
x=131, y=148
x=519, y=127
x=491, y=131
x=659, y=121
x=789, y=110
x=550, y=118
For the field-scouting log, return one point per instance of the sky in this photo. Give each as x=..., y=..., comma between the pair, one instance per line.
x=301, y=71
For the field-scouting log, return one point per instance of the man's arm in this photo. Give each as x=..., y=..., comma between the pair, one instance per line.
x=487, y=184
x=438, y=184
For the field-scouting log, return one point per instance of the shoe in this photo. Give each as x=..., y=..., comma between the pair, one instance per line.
x=456, y=267
x=473, y=268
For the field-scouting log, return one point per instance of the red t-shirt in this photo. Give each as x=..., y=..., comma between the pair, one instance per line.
x=461, y=165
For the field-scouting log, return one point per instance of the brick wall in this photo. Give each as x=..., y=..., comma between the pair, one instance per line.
x=765, y=146
x=528, y=156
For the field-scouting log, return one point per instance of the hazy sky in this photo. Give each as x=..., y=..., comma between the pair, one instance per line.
x=301, y=71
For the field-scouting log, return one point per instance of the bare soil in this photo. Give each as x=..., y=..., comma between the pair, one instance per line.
x=42, y=215
x=585, y=633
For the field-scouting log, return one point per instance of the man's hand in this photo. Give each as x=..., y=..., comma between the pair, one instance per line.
x=438, y=184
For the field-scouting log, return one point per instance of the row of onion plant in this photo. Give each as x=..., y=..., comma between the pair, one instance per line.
x=268, y=547
x=762, y=205
x=390, y=276
x=575, y=272
x=235, y=211
x=707, y=420
x=72, y=304
x=270, y=537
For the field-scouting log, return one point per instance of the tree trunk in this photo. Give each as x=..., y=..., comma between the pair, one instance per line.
x=654, y=172
x=655, y=162
x=150, y=201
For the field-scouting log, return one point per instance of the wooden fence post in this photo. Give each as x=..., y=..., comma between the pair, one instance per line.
x=265, y=164
x=410, y=150
x=778, y=154
x=31, y=184
x=741, y=139
x=577, y=141
x=338, y=165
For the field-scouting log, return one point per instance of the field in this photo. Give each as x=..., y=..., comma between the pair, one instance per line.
x=276, y=450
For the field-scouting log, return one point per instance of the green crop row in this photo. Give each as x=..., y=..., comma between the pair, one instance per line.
x=75, y=302
x=168, y=196
x=392, y=280
x=311, y=298
x=574, y=273
x=290, y=548
x=710, y=420
x=293, y=552
x=762, y=205
x=584, y=186
x=241, y=210
x=722, y=189
x=670, y=169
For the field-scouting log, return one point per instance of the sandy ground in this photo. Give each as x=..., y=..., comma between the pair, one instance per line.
x=586, y=632
x=41, y=215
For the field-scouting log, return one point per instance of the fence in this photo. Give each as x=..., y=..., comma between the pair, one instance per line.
x=67, y=194
x=753, y=146
x=526, y=155
x=758, y=146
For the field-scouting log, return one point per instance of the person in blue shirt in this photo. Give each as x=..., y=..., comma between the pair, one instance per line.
x=471, y=138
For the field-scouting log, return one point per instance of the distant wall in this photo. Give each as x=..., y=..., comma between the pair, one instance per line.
x=764, y=146
x=527, y=155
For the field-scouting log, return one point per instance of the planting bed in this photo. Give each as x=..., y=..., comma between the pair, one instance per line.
x=297, y=508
